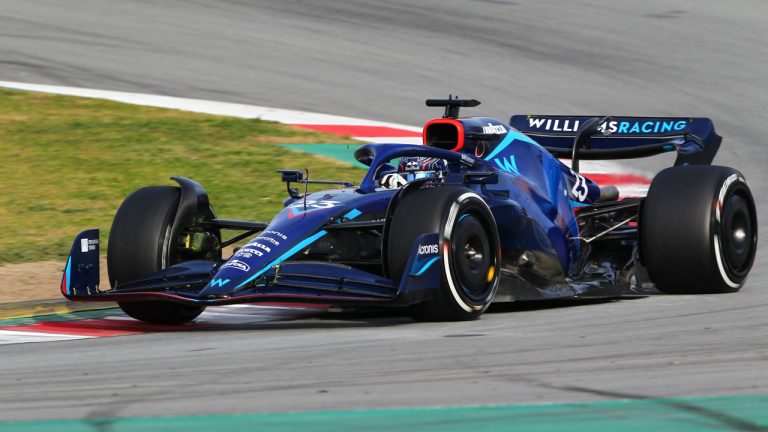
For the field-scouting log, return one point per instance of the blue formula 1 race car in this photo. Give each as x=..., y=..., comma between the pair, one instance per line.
x=484, y=211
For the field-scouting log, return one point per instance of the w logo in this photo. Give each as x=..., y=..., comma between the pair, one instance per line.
x=218, y=283
x=507, y=165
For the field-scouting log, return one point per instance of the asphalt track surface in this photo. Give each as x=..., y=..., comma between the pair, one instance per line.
x=380, y=59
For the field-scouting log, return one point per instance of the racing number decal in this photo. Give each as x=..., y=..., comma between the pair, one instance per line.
x=321, y=204
x=580, y=188
x=312, y=206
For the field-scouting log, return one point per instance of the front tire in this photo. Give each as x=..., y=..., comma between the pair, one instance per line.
x=469, y=248
x=139, y=244
x=698, y=230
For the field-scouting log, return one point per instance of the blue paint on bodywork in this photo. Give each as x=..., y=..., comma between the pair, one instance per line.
x=81, y=273
x=547, y=184
x=298, y=247
x=576, y=204
x=291, y=252
x=511, y=136
x=353, y=214
x=67, y=275
x=426, y=266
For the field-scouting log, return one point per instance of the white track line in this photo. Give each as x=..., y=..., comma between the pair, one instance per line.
x=206, y=106
x=16, y=337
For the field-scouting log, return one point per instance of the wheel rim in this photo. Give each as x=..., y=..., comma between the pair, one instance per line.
x=737, y=233
x=473, y=259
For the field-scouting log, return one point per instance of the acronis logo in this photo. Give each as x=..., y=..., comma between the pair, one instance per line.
x=218, y=283
x=508, y=165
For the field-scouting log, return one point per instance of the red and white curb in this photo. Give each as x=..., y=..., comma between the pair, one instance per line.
x=603, y=172
x=121, y=325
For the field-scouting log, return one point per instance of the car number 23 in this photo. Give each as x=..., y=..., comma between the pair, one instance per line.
x=319, y=204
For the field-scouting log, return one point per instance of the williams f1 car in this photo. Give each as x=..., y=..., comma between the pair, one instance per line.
x=484, y=211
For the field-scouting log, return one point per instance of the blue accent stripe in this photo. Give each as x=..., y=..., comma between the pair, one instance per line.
x=463, y=216
x=67, y=272
x=292, y=251
x=426, y=266
x=577, y=204
x=511, y=136
x=297, y=248
x=353, y=214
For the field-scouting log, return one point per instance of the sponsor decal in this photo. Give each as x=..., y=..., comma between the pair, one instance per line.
x=508, y=165
x=494, y=129
x=610, y=127
x=267, y=239
x=216, y=282
x=555, y=125
x=416, y=164
x=247, y=252
x=467, y=160
x=88, y=244
x=260, y=246
x=236, y=264
x=411, y=164
x=641, y=127
x=276, y=234
x=428, y=249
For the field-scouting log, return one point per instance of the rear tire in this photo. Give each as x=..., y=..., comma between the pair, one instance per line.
x=470, y=261
x=698, y=230
x=140, y=244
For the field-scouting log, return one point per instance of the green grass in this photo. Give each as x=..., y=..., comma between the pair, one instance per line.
x=67, y=164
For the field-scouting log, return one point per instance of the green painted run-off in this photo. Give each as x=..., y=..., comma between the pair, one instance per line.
x=747, y=413
x=341, y=152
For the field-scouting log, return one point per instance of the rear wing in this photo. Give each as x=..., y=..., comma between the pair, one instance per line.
x=694, y=139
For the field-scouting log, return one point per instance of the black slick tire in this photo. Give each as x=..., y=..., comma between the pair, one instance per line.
x=139, y=244
x=469, y=248
x=698, y=230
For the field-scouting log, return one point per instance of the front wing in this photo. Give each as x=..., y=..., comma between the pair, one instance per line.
x=294, y=281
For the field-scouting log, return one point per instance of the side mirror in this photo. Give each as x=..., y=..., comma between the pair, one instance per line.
x=290, y=176
x=364, y=155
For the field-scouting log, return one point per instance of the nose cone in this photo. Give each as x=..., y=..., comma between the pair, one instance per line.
x=249, y=262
